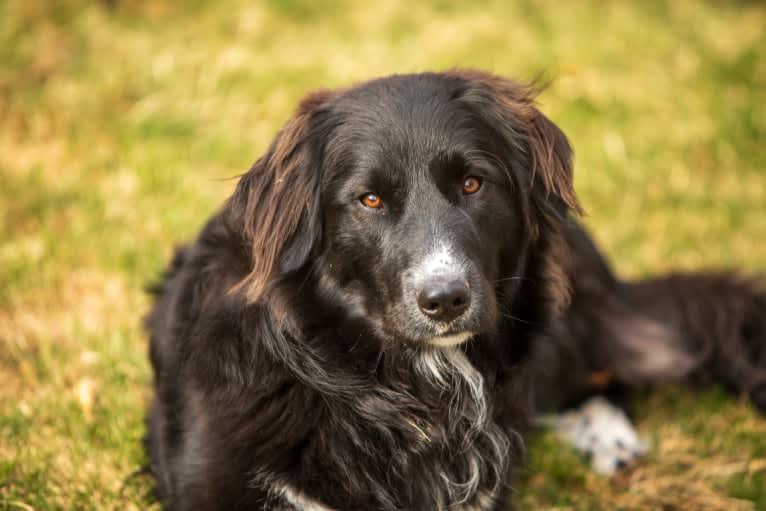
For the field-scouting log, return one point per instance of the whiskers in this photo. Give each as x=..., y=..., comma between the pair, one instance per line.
x=504, y=307
x=520, y=278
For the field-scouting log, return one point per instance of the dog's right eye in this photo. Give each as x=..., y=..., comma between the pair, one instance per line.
x=371, y=201
x=471, y=185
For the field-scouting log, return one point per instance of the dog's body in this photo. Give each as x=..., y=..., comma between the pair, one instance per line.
x=390, y=294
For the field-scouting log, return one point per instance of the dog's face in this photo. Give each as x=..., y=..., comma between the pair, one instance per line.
x=419, y=215
x=411, y=200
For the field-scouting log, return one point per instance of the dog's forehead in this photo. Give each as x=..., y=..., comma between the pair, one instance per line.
x=405, y=122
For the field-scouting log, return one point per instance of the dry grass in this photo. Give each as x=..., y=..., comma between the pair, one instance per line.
x=120, y=122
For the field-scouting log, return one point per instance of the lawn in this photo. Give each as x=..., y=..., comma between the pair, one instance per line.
x=123, y=122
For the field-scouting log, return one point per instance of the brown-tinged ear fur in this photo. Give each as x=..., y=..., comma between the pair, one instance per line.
x=510, y=106
x=275, y=207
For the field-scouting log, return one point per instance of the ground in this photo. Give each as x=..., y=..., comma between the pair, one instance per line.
x=124, y=123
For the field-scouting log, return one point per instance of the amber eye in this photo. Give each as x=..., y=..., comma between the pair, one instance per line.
x=372, y=201
x=471, y=185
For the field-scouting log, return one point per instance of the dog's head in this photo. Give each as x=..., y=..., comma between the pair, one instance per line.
x=410, y=202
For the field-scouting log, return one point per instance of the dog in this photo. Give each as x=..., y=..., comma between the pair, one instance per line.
x=394, y=292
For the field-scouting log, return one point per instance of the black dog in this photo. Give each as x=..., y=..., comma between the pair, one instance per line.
x=392, y=291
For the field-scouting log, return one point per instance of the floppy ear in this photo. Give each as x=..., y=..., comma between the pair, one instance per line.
x=510, y=109
x=551, y=157
x=275, y=207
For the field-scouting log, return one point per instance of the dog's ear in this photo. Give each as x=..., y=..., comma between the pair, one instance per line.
x=509, y=108
x=274, y=210
x=551, y=156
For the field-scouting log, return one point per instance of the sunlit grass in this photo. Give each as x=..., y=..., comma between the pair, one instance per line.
x=122, y=122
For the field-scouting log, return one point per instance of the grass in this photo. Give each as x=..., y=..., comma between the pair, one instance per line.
x=121, y=122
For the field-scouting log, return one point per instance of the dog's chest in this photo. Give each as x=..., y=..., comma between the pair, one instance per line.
x=294, y=500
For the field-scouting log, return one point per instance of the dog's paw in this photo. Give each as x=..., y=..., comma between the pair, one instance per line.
x=602, y=432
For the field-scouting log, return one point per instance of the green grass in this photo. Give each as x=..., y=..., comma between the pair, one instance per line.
x=120, y=122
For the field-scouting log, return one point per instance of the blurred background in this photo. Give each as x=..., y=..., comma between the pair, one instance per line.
x=122, y=122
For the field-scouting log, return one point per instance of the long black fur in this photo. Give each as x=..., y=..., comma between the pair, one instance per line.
x=293, y=371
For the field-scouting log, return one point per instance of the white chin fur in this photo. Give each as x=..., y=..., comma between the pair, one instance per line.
x=450, y=340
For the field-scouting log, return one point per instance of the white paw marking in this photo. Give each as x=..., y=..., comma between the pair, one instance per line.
x=603, y=432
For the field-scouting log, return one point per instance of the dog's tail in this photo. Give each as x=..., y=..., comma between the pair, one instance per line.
x=697, y=327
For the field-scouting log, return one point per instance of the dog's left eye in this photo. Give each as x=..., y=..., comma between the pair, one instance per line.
x=371, y=201
x=471, y=185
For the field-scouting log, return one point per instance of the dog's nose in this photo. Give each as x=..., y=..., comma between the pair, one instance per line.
x=444, y=300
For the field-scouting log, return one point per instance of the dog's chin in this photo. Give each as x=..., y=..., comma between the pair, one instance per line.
x=450, y=340
x=408, y=330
